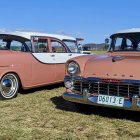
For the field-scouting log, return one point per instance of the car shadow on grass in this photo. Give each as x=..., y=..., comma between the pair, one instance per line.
x=36, y=89
x=96, y=110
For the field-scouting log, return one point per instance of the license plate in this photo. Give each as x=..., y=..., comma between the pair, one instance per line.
x=110, y=100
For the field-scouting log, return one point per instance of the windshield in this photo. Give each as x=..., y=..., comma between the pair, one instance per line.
x=72, y=45
x=125, y=42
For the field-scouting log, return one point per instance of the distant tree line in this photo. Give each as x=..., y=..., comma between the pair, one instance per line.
x=93, y=46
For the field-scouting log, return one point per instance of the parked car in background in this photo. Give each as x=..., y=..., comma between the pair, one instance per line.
x=83, y=49
x=111, y=79
x=30, y=59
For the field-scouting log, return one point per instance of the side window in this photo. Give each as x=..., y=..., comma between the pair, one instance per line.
x=129, y=45
x=17, y=46
x=3, y=45
x=138, y=47
x=57, y=47
x=123, y=44
x=41, y=45
x=118, y=44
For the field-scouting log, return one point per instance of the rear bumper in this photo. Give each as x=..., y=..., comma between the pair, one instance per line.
x=92, y=100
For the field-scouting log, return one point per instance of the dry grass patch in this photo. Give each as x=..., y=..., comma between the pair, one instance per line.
x=43, y=115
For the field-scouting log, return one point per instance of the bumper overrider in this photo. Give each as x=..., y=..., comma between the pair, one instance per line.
x=90, y=90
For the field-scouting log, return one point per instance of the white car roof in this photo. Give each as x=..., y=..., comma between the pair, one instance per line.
x=29, y=34
x=132, y=30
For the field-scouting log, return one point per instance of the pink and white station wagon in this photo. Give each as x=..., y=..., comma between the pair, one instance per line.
x=33, y=59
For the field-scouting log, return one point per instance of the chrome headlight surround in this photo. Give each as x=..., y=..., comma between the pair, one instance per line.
x=73, y=68
x=68, y=83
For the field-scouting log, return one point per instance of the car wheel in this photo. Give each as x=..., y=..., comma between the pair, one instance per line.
x=9, y=86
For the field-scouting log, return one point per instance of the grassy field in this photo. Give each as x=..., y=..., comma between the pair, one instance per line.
x=42, y=114
x=98, y=52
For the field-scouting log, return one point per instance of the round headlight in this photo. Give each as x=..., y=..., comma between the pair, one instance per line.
x=68, y=83
x=73, y=68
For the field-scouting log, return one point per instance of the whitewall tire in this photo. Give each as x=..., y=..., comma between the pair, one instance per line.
x=9, y=86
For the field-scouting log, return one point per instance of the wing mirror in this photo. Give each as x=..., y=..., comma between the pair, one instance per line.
x=80, y=47
x=107, y=40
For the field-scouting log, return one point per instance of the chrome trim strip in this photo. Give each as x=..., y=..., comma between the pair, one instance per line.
x=92, y=100
x=86, y=98
x=127, y=81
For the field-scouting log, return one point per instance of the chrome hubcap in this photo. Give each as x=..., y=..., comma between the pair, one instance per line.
x=6, y=85
x=9, y=86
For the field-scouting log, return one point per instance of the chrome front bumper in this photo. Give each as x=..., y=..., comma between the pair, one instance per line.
x=92, y=100
x=132, y=103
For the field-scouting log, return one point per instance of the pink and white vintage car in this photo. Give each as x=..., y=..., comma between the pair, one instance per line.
x=111, y=79
x=30, y=59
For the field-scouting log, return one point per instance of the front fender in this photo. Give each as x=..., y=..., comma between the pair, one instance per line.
x=82, y=61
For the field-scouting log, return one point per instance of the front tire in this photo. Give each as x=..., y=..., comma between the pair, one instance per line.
x=9, y=86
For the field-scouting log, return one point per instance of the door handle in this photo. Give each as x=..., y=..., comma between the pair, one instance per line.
x=52, y=55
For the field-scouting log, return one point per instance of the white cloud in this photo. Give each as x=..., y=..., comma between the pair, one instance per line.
x=2, y=30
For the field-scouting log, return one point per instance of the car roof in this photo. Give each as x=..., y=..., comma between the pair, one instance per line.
x=132, y=30
x=28, y=35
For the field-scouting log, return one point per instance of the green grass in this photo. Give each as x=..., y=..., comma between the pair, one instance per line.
x=42, y=114
x=98, y=52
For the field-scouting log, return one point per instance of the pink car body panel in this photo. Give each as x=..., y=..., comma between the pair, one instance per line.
x=35, y=69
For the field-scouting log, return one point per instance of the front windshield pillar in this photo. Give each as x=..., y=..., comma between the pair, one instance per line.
x=72, y=46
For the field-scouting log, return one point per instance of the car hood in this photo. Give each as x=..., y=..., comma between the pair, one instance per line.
x=113, y=67
x=9, y=52
x=5, y=52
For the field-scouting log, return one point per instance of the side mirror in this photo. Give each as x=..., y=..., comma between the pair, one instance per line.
x=80, y=47
x=107, y=41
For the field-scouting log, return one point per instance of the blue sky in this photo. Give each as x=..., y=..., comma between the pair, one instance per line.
x=93, y=20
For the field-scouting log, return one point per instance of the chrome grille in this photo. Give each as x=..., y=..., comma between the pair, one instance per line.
x=113, y=89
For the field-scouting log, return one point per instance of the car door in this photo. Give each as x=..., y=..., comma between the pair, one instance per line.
x=43, y=66
x=60, y=56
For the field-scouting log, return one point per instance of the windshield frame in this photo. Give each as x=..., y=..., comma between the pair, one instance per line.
x=71, y=41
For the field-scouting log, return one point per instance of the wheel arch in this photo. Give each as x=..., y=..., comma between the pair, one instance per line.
x=15, y=73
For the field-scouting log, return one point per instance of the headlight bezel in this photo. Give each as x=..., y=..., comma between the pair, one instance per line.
x=68, y=83
x=73, y=64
